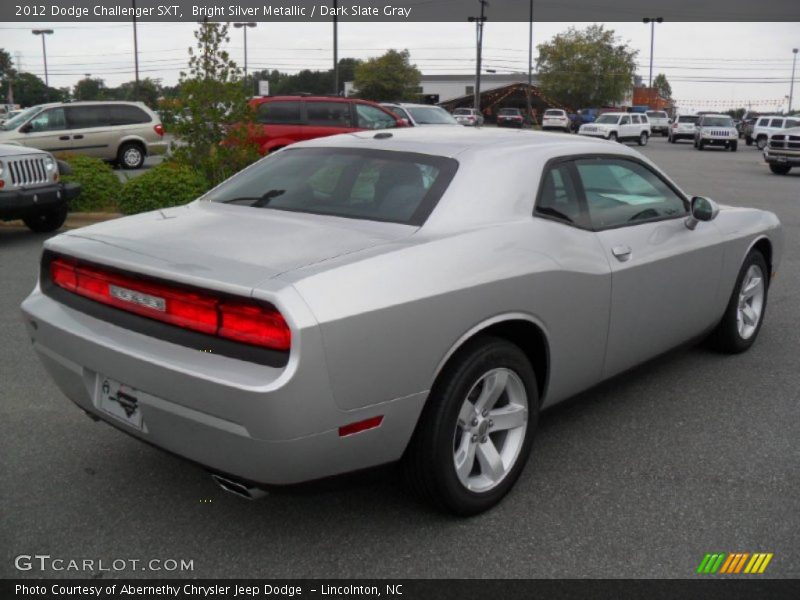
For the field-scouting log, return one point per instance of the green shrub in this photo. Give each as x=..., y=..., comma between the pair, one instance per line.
x=168, y=184
x=100, y=186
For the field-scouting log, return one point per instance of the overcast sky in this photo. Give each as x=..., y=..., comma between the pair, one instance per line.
x=710, y=65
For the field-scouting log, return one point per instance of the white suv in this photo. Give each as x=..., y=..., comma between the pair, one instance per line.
x=619, y=126
x=716, y=130
x=555, y=118
x=765, y=126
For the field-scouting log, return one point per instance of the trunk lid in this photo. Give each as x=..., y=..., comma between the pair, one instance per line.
x=223, y=247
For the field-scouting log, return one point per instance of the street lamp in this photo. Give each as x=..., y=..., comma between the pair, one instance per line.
x=44, y=33
x=244, y=27
x=652, y=21
x=479, y=21
x=791, y=86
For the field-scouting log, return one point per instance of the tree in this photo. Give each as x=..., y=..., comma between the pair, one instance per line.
x=586, y=68
x=148, y=92
x=7, y=74
x=662, y=85
x=388, y=77
x=90, y=89
x=215, y=117
x=736, y=113
x=30, y=89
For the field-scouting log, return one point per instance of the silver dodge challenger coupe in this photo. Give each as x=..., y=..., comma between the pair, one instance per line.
x=415, y=295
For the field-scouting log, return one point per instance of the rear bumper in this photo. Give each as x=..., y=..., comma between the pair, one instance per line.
x=262, y=424
x=157, y=148
x=16, y=204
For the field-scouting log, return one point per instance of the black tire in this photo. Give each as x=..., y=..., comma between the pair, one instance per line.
x=643, y=137
x=429, y=460
x=671, y=140
x=734, y=146
x=780, y=169
x=700, y=145
x=131, y=156
x=612, y=137
x=46, y=221
x=726, y=337
x=761, y=142
x=748, y=140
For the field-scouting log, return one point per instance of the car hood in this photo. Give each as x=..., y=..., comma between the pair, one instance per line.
x=8, y=148
x=215, y=245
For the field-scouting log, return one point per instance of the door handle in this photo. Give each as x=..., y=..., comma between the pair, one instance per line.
x=63, y=137
x=622, y=253
x=77, y=137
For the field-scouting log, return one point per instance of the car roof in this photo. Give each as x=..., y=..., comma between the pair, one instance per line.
x=457, y=141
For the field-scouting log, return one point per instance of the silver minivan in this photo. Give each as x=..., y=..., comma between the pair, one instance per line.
x=121, y=132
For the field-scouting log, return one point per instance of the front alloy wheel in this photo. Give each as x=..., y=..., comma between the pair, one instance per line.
x=474, y=435
x=643, y=139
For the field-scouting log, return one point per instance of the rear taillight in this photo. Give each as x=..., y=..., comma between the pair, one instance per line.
x=159, y=129
x=243, y=320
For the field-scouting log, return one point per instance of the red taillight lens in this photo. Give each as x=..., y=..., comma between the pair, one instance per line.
x=243, y=321
x=159, y=129
x=254, y=324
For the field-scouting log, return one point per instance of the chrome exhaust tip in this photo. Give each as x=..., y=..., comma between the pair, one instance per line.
x=238, y=488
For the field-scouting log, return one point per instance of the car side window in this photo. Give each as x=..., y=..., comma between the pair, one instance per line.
x=279, y=113
x=81, y=117
x=370, y=117
x=636, y=119
x=625, y=121
x=776, y=123
x=328, y=114
x=762, y=122
x=791, y=123
x=623, y=192
x=126, y=114
x=49, y=120
x=558, y=197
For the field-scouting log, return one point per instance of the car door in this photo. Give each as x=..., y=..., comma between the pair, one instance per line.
x=91, y=130
x=626, y=127
x=664, y=276
x=47, y=131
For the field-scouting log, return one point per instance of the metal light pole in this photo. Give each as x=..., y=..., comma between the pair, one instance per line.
x=135, y=54
x=44, y=33
x=244, y=27
x=335, y=48
x=479, y=21
x=652, y=21
x=791, y=86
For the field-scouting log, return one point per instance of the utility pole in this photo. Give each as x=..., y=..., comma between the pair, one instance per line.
x=335, y=48
x=530, y=63
x=135, y=53
x=791, y=86
x=479, y=21
x=44, y=33
x=652, y=21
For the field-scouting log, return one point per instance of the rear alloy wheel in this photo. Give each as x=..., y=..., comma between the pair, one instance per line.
x=643, y=139
x=745, y=312
x=48, y=220
x=780, y=169
x=131, y=156
x=761, y=143
x=475, y=434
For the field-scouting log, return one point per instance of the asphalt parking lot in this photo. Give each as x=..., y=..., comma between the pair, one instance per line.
x=693, y=453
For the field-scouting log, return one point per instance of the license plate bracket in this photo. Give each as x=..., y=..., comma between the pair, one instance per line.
x=119, y=400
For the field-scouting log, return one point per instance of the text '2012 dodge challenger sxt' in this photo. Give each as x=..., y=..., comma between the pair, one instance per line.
x=370, y=297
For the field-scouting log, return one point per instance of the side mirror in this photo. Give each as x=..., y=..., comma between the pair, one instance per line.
x=701, y=209
x=27, y=128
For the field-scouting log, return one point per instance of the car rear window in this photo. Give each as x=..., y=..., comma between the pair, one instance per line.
x=280, y=112
x=431, y=115
x=688, y=119
x=554, y=113
x=376, y=185
x=655, y=114
x=509, y=111
x=462, y=111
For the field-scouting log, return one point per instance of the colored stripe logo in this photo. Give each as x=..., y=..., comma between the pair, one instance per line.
x=734, y=563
